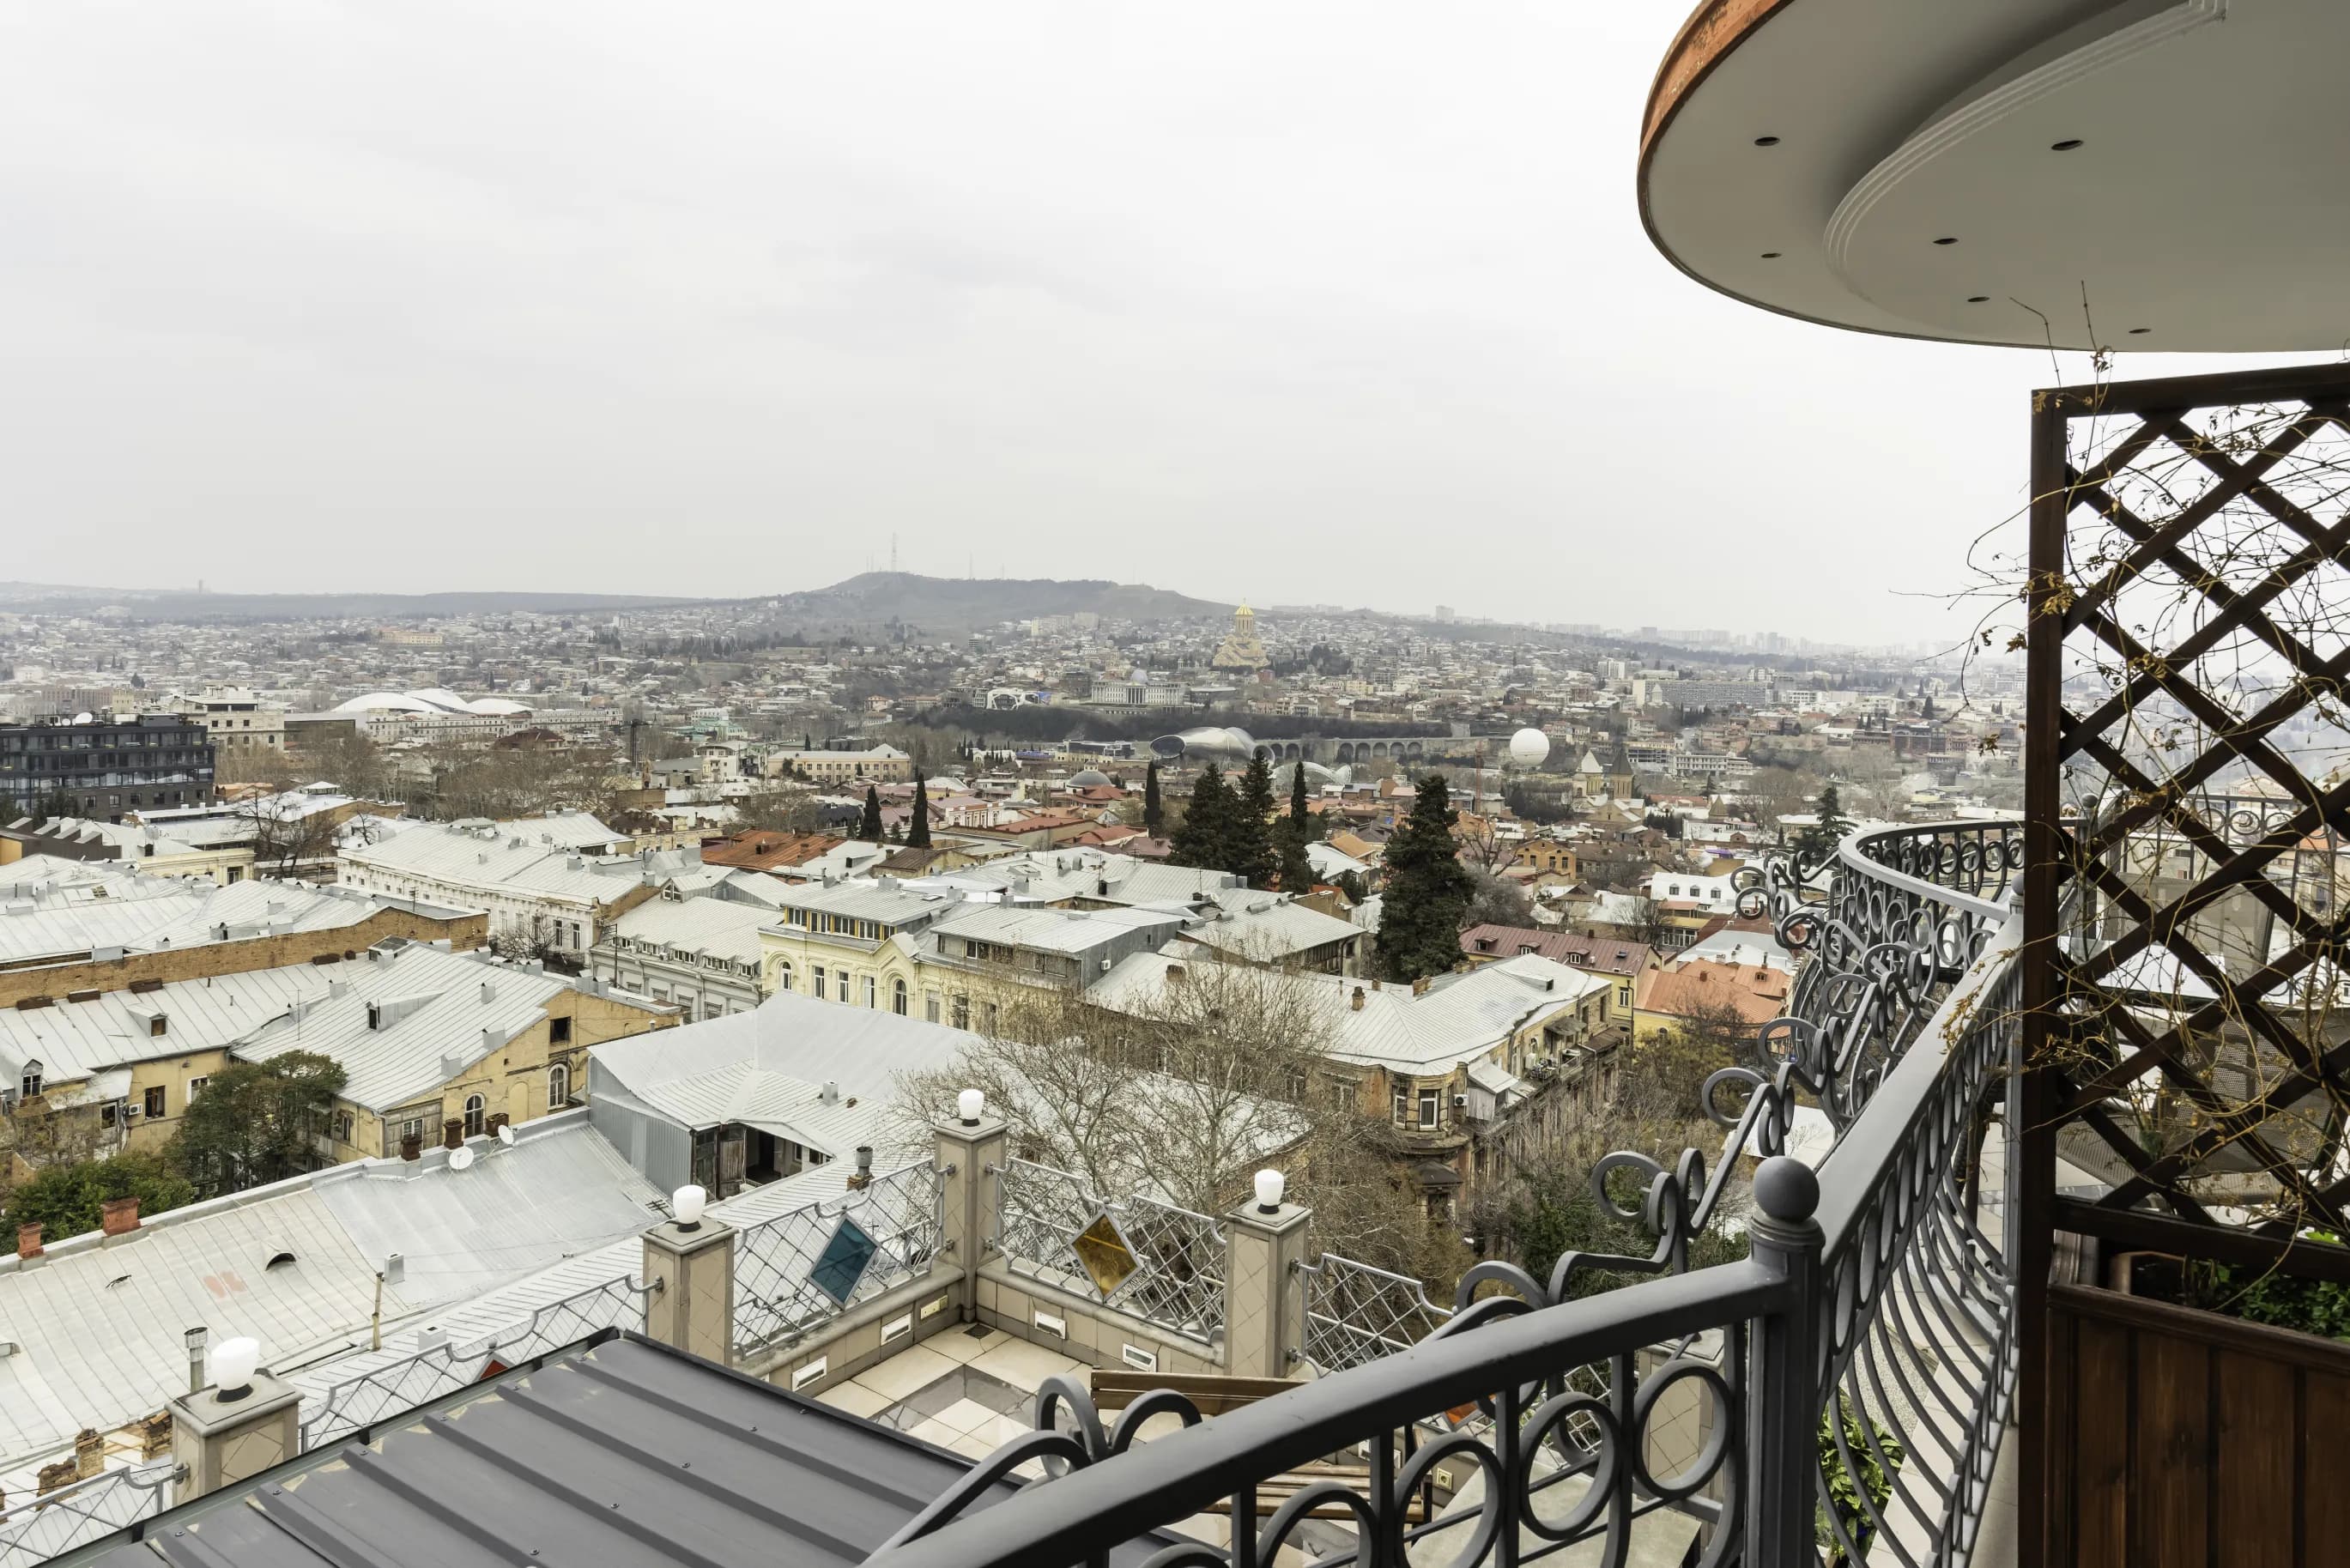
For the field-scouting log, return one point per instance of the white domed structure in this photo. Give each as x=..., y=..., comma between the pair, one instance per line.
x=385, y=702
x=1090, y=778
x=1529, y=747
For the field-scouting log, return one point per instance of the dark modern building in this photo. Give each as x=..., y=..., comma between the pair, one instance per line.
x=105, y=767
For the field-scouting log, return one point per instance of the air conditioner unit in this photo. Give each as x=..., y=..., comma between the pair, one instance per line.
x=1459, y=1102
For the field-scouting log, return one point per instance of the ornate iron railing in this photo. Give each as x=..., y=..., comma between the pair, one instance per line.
x=398, y=1386
x=1177, y=1275
x=57, y=1522
x=805, y=1268
x=1839, y=1394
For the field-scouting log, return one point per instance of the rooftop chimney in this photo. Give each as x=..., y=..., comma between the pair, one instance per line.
x=1358, y=1002
x=28, y=1241
x=1420, y=986
x=830, y=1094
x=119, y=1216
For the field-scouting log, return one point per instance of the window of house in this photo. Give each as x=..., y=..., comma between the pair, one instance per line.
x=872, y=985
x=962, y=1010
x=1403, y=1108
x=558, y=1085
x=413, y=1127
x=820, y=982
x=558, y=1031
x=195, y=1087
x=1429, y=1100
x=840, y=984
x=930, y=1005
x=898, y=997
x=783, y=977
x=154, y=1103
x=342, y=1127
x=476, y=1109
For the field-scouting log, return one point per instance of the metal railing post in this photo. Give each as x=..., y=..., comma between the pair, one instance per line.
x=1784, y=1391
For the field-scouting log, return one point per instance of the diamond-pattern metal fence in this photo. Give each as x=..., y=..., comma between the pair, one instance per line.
x=391, y=1390
x=805, y=1268
x=85, y=1512
x=1177, y=1280
x=1356, y=1313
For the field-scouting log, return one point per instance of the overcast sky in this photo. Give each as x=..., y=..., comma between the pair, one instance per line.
x=1341, y=303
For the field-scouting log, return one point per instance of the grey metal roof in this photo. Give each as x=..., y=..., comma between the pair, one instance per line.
x=96, y=1323
x=622, y=1452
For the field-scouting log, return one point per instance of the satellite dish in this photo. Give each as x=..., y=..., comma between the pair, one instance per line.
x=1528, y=747
x=506, y=1134
x=461, y=1159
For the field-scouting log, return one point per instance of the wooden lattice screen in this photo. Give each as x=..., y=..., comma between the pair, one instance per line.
x=2188, y=763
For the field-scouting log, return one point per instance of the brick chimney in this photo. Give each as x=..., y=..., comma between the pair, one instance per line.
x=1420, y=986
x=28, y=1241
x=119, y=1216
x=412, y=1147
x=1358, y=1003
x=453, y=1133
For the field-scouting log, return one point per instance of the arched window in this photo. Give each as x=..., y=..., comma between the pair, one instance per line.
x=29, y=1088
x=783, y=976
x=558, y=1085
x=897, y=996
x=475, y=1108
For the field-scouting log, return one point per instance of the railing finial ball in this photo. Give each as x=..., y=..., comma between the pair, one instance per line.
x=1786, y=1189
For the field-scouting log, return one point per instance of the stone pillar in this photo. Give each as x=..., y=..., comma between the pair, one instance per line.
x=1265, y=1290
x=219, y=1442
x=973, y=1154
x=692, y=1272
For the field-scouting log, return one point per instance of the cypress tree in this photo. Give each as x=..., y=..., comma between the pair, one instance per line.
x=1154, y=810
x=1426, y=889
x=1252, y=855
x=919, y=835
x=869, y=828
x=1297, y=832
x=1203, y=839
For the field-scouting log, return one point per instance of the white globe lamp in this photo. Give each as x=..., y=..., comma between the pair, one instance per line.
x=1528, y=747
x=233, y=1362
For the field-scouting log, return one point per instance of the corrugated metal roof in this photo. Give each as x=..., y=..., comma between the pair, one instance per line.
x=718, y=926
x=489, y=859
x=1461, y=1016
x=98, y=1322
x=460, y=996
x=768, y=1066
x=99, y=1328
x=624, y=1452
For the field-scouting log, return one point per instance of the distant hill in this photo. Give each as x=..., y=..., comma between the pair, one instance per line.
x=942, y=605
x=936, y=606
x=178, y=604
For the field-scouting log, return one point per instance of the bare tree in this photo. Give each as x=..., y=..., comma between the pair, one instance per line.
x=1183, y=1090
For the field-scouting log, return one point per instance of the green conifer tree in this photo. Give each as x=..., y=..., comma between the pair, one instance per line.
x=1253, y=858
x=869, y=828
x=1426, y=889
x=1203, y=839
x=1818, y=841
x=1297, y=830
x=1154, y=810
x=917, y=836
